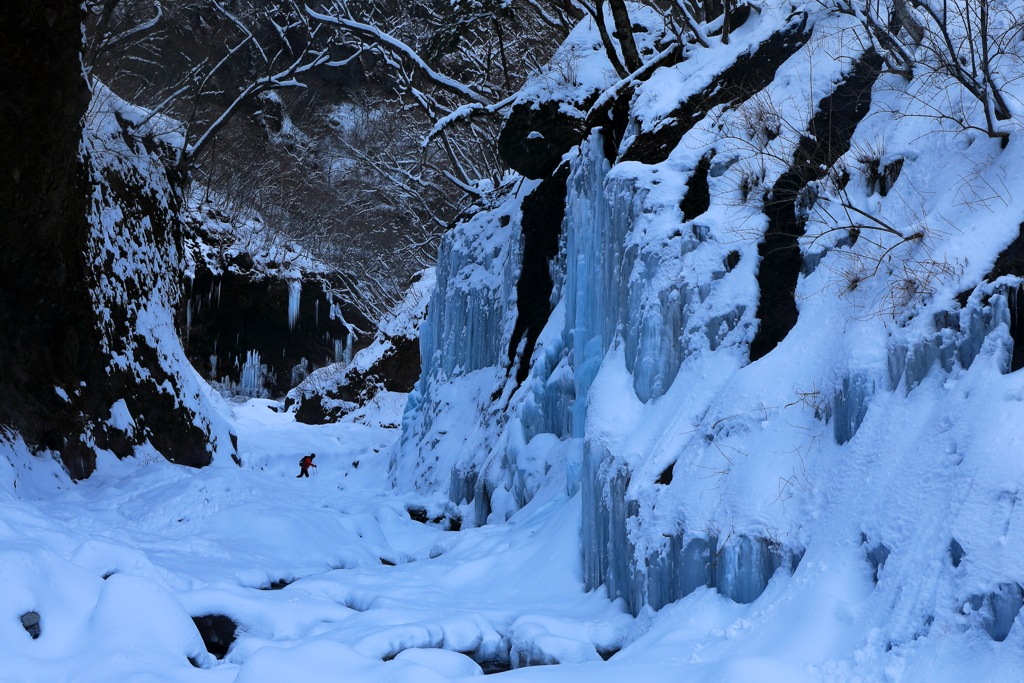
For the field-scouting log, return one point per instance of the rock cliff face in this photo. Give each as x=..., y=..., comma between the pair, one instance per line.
x=256, y=320
x=46, y=337
x=89, y=360
x=721, y=302
x=388, y=367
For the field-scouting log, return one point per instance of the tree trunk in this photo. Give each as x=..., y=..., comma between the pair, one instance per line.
x=609, y=46
x=624, y=33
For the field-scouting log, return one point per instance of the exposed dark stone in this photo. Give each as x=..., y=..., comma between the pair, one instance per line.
x=739, y=17
x=277, y=585
x=697, y=199
x=234, y=312
x=890, y=174
x=217, y=631
x=311, y=410
x=535, y=136
x=543, y=210
x=876, y=557
x=666, y=475
x=732, y=259
x=613, y=115
x=956, y=552
x=418, y=515
x=449, y=520
x=1010, y=260
x=397, y=370
x=748, y=75
x=47, y=335
x=30, y=622
x=494, y=667
x=828, y=138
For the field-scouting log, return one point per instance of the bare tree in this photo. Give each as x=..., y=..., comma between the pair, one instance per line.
x=970, y=44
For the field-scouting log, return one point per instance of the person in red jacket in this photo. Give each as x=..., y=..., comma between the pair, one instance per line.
x=305, y=464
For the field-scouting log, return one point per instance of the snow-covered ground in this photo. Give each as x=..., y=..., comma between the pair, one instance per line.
x=116, y=565
x=840, y=507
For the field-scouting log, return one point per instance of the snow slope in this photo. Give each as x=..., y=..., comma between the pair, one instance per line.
x=115, y=565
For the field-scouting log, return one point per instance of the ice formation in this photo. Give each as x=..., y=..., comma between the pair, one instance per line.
x=843, y=506
x=695, y=466
x=294, y=297
x=253, y=373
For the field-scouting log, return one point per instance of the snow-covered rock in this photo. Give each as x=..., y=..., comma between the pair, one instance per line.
x=372, y=386
x=92, y=272
x=762, y=350
x=259, y=313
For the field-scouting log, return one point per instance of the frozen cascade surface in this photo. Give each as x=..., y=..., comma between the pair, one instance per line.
x=595, y=282
x=294, y=296
x=686, y=456
x=464, y=349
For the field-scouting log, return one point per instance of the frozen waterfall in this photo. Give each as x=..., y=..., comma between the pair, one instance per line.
x=294, y=295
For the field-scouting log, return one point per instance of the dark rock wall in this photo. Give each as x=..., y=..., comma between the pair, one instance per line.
x=749, y=74
x=536, y=135
x=828, y=138
x=228, y=314
x=543, y=211
x=89, y=246
x=45, y=332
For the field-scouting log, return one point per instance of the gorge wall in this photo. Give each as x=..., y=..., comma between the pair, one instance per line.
x=91, y=258
x=771, y=334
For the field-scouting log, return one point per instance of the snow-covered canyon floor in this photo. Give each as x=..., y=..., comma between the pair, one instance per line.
x=373, y=595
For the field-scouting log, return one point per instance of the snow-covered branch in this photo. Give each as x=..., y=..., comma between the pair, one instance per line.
x=375, y=36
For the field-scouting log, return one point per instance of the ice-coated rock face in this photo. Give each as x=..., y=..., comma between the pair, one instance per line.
x=697, y=462
x=463, y=346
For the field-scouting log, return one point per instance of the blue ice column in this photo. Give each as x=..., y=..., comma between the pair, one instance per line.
x=598, y=217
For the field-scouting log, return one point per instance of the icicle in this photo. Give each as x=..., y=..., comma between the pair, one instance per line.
x=316, y=308
x=253, y=373
x=339, y=351
x=300, y=372
x=294, y=292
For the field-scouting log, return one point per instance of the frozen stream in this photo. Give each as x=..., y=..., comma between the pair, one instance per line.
x=370, y=594
x=177, y=542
